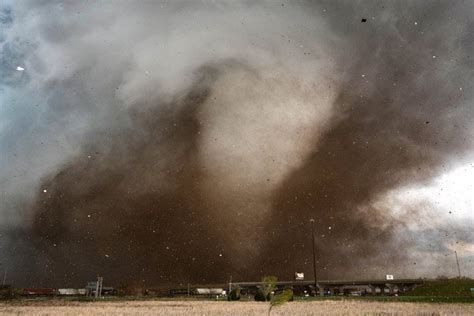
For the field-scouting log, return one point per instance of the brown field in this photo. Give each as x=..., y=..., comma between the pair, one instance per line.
x=233, y=308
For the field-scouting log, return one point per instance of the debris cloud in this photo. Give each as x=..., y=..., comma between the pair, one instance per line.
x=174, y=142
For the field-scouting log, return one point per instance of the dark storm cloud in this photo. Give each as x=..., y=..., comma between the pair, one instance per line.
x=121, y=91
x=402, y=116
x=185, y=143
x=109, y=209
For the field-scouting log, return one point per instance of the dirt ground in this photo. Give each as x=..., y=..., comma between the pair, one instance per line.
x=233, y=308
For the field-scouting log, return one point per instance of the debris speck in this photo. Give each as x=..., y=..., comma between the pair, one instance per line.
x=20, y=68
x=107, y=256
x=45, y=190
x=434, y=56
x=89, y=215
x=416, y=23
x=363, y=20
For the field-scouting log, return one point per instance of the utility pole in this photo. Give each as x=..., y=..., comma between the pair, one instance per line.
x=314, y=256
x=457, y=263
x=98, y=287
x=230, y=285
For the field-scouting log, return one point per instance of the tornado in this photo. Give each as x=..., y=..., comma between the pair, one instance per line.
x=159, y=143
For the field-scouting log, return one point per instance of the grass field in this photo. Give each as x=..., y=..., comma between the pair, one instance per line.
x=451, y=288
x=321, y=307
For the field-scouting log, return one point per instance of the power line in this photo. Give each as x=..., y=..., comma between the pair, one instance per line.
x=314, y=257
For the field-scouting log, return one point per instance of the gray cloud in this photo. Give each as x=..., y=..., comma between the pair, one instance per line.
x=184, y=135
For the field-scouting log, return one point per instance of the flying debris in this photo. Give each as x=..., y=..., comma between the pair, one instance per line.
x=153, y=153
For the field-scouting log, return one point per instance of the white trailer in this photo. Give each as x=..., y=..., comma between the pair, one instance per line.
x=209, y=291
x=70, y=291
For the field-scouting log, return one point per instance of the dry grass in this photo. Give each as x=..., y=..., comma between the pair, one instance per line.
x=233, y=308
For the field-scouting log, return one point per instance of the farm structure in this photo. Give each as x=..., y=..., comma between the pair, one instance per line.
x=300, y=288
x=40, y=292
x=343, y=287
x=106, y=290
x=191, y=291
